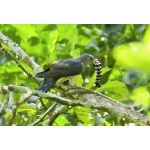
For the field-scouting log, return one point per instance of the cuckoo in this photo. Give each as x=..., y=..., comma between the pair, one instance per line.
x=61, y=69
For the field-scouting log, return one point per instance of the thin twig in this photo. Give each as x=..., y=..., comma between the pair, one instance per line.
x=43, y=115
x=4, y=105
x=19, y=64
x=21, y=54
x=14, y=110
x=55, y=114
x=31, y=119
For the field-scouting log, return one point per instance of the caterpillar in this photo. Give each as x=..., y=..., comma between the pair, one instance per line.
x=97, y=67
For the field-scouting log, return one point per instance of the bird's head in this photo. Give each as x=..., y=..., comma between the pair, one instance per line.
x=86, y=59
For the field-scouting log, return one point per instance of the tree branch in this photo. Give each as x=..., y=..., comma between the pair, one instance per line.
x=88, y=98
x=4, y=105
x=19, y=52
x=14, y=110
x=55, y=114
x=44, y=114
x=19, y=65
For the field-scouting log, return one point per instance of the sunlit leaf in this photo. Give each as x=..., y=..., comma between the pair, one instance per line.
x=79, y=80
x=104, y=70
x=133, y=55
x=83, y=114
x=117, y=87
x=61, y=121
x=142, y=96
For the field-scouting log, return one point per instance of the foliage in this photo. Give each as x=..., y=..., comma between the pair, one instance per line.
x=123, y=50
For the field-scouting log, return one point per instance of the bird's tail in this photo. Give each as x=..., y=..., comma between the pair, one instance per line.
x=44, y=87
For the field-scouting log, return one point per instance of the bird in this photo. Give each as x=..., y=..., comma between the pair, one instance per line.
x=61, y=69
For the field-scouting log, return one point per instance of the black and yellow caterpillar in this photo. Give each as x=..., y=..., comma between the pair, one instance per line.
x=97, y=67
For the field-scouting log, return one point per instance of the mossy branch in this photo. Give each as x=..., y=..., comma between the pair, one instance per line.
x=19, y=52
x=87, y=98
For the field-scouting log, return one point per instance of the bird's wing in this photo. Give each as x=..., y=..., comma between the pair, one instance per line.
x=63, y=68
x=44, y=87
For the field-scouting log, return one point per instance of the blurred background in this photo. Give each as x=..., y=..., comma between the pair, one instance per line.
x=123, y=50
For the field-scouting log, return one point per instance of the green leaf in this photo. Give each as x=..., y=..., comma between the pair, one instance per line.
x=91, y=82
x=116, y=87
x=79, y=80
x=104, y=70
x=25, y=31
x=141, y=96
x=27, y=107
x=61, y=121
x=133, y=55
x=83, y=114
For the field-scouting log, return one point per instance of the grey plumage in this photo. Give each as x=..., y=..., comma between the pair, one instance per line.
x=44, y=87
x=64, y=68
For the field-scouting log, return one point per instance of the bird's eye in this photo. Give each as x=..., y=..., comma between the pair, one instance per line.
x=91, y=58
